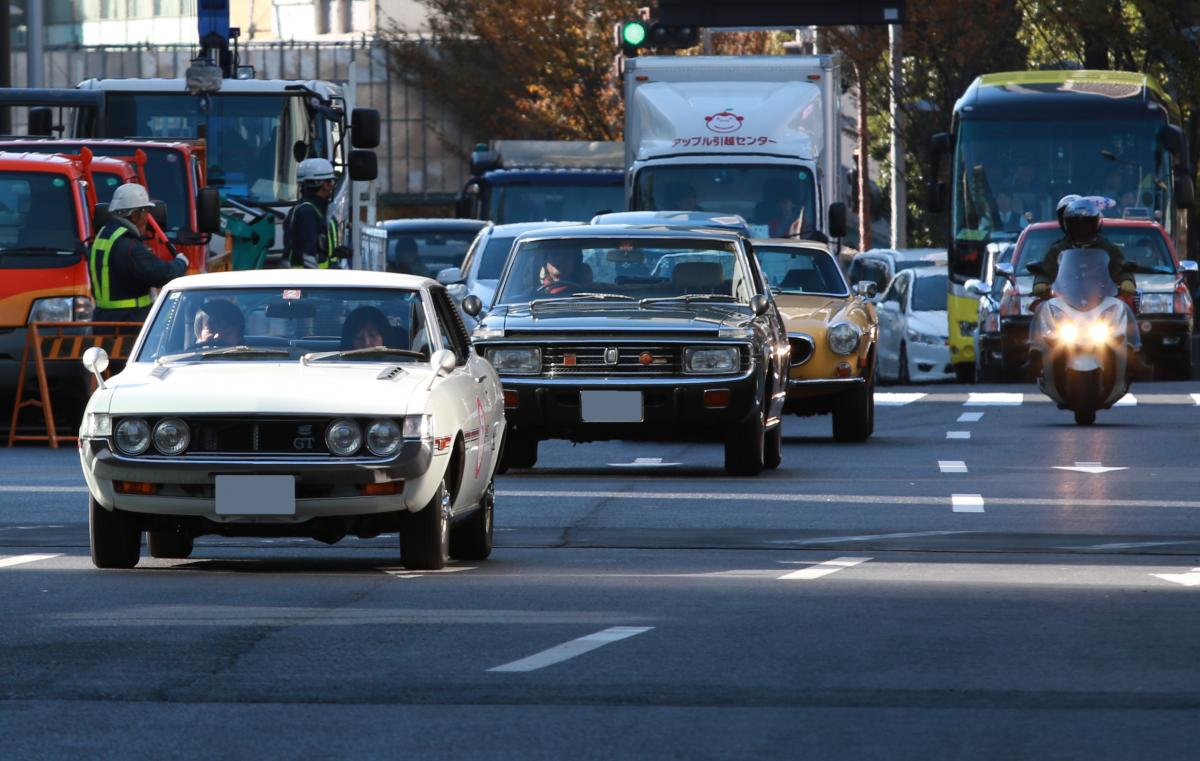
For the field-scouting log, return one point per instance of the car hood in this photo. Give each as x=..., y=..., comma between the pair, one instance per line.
x=252, y=387
x=933, y=323
x=606, y=319
x=1156, y=283
x=802, y=308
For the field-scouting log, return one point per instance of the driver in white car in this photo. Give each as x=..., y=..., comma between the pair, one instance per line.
x=219, y=323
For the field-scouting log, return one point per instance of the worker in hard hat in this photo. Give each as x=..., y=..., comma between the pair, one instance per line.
x=309, y=236
x=122, y=268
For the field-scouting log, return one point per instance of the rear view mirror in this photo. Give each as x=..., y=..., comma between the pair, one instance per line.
x=364, y=166
x=291, y=310
x=208, y=211
x=364, y=128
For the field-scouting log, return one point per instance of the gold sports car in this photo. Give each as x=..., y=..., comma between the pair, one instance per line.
x=832, y=330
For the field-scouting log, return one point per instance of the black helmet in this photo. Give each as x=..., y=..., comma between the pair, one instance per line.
x=1063, y=203
x=1082, y=220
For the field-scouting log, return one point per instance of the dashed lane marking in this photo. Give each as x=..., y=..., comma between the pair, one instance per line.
x=1129, y=400
x=404, y=573
x=1195, y=399
x=967, y=503
x=1094, y=468
x=1190, y=579
x=643, y=462
x=896, y=398
x=865, y=537
x=958, y=434
x=970, y=417
x=572, y=649
x=22, y=559
x=994, y=398
x=40, y=489
x=952, y=466
x=823, y=569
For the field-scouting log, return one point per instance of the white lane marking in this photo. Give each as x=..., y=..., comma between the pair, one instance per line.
x=952, y=466
x=575, y=647
x=404, y=573
x=958, y=434
x=1195, y=399
x=897, y=398
x=967, y=503
x=970, y=417
x=1119, y=545
x=643, y=462
x=1129, y=400
x=865, y=537
x=31, y=489
x=22, y=559
x=823, y=569
x=1191, y=579
x=994, y=398
x=1093, y=468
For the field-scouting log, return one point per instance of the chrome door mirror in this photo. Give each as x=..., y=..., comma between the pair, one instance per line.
x=866, y=288
x=472, y=305
x=1189, y=266
x=95, y=360
x=1004, y=269
x=977, y=287
x=759, y=304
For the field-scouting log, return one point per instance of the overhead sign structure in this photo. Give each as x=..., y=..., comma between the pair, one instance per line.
x=778, y=13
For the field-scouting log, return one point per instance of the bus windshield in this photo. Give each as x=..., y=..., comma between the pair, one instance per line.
x=37, y=215
x=250, y=137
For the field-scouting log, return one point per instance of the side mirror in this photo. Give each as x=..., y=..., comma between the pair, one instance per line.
x=1189, y=267
x=977, y=287
x=443, y=362
x=866, y=289
x=208, y=210
x=1034, y=267
x=1126, y=267
x=100, y=217
x=159, y=212
x=299, y=151
x=364, y=166
x=935, y=201
x=759, y=304
x=364, y=128
x=472, y=305
x=1185, y=191
x=1005, y=269
x=95, y=360
x=450, y=276
x=41, y=121
x=939, y=146
x=837, y=220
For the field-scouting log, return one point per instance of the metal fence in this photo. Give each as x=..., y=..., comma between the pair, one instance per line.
x=423, y=154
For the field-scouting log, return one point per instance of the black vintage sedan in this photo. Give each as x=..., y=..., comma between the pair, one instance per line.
x=640, y=333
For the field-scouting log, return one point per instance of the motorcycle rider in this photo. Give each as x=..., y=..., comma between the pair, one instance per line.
x=1081, y=220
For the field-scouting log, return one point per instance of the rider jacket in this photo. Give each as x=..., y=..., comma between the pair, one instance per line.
x=1116, y=260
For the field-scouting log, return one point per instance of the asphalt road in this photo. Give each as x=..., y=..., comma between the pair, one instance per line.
x=944, y=590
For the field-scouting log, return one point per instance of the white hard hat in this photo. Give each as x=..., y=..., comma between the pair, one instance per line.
x=314, y=170
x=128, y=197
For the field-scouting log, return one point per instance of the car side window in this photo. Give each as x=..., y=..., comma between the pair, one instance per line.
x=450, y=324
x=902, y=289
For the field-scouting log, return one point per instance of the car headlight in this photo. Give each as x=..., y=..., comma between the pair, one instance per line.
x=418, y=427
x=1157, y=303
x=917, y=336
x=383, y=438
x=715, y=360
x=171, y=436
x=844, y=338
x=522, y=359
x=133, y=436
x=95, y=425
x=343, y=437
x=61, y=309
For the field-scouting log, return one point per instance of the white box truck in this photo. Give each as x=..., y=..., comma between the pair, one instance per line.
x=756, y=136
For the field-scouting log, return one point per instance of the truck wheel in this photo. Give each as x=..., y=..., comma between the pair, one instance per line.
x=744, y=449
x=425, y=537
x=169, y=544
x=115, y=537
x=472, y=539
x=854, y=413
x=518, y=451
x=773, y=447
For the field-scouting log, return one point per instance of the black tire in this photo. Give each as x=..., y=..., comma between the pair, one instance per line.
x=425, y=536
x=169, y=544
x=902, y=376
x=744, y=449
x=116, y=538
x=1085, y=417
x=854, y=412
x=964, y=373
x=773, y=447
x=518, y=451
x=472, y=539
x=988, y=370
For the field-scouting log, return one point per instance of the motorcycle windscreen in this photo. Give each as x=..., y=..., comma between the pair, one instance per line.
x=1083, y=280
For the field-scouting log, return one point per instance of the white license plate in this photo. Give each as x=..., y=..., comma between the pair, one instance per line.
x=256, y=495
x=610, y=406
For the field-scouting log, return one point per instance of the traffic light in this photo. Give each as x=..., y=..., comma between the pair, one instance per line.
x=632, y=36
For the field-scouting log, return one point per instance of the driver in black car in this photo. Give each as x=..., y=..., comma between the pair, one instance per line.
x=563, y=272
x=219, y=323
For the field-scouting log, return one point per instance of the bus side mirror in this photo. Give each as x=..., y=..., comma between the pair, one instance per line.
x=364, y=166
x=208, y=210
x=1185, y=190
x=939, y=146
x=837, y=220
x=364, y=128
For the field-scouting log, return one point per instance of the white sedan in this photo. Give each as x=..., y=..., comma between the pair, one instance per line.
x=314, y=403
x=913, y=328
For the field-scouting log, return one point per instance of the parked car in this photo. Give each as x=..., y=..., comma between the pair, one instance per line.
x=425, y=247
x=594, y=340
x=880, y=265
x=914, y=340
x=315, y=403
x=990, y=366
x=479, y=271
x=831, y=329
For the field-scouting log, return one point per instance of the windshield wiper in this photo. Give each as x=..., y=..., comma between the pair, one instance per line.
x=689, y=298
x=224, y=351
x=602, y=296
x=368, y=351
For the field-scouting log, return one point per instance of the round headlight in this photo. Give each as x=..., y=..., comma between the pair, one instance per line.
x=843, y=338
x=133, y=435
x=171, y=436
x=383, y=438
x=343, y=437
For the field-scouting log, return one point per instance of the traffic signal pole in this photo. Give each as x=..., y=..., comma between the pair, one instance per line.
x=899, y=189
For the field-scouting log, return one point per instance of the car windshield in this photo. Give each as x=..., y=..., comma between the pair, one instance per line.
x=930, y=293
x=287, y=323
x=1142, y=246
x=494, y=255
x=426, y=252
x=797, y=270
x=623, y=269
x=37, y=214
x=777, y=202
x=1083, y=280
x=166, y=176
x=538, y=203
x=105, y=183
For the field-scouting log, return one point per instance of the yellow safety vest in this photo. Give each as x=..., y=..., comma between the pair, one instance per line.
x=331, y=240
x=99, y=271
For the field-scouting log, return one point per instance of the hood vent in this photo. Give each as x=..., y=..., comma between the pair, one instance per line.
x=390, y=373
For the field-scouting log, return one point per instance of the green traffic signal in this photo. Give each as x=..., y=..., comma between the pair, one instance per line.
x=633, y=33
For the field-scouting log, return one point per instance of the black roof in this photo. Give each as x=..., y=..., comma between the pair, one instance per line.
x=1036, y=96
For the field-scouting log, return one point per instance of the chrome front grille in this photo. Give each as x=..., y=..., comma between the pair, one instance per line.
x=802, y=348
x=266, y=436
x=612, y=360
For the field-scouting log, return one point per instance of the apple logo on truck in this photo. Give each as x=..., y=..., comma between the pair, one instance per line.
x=724, y=121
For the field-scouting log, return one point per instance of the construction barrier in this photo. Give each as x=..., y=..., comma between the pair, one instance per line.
x=60, y=342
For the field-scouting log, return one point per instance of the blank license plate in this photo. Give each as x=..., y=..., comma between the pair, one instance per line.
x=610, y=406
x=256, y=495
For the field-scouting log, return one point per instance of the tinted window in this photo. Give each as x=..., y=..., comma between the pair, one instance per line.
x=495, y=254
x=36, y=212
x=426, y=253
x=796, y=270
x=1144, y=246
x=930, y=294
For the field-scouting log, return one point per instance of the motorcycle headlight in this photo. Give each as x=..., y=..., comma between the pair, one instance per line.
x=523, y=359
x=61, y=309
x=133, y=436
x=171, y=436
x=1068, y=332
x=1098, y=332
x=343, y=437
x=844, y=338
x=418, y=427
x=1157, y=303
x=383, y=438
x=95, y=425
x=714, y=360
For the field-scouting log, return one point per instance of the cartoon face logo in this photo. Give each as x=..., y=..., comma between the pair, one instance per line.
x=724, y=121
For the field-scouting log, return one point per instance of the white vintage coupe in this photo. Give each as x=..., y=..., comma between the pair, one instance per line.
x=314, y=403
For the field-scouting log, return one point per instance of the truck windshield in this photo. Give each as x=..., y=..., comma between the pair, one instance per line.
x=539, y=203
x=37, y=214
x=250, y=137
x=777, y=201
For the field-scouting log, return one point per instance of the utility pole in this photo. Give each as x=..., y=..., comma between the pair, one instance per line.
x=899, y=190
x=35, y=41
x=5, y=61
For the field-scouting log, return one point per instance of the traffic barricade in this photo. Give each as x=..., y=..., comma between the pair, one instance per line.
x=63, y=342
